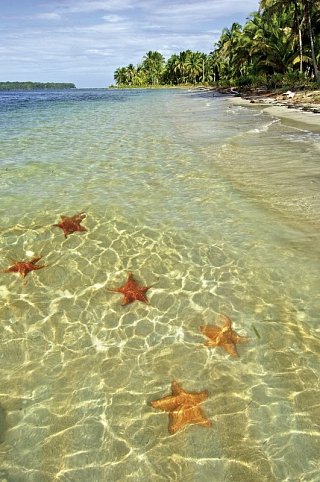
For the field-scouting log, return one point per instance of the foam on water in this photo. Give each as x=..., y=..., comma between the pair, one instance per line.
x=179, y=192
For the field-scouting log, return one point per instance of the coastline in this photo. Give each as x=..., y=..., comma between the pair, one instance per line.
x=302, y=108
x=302, y=197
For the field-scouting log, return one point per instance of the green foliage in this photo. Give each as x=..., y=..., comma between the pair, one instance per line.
x=289, y=80
x=251, y=80
x=35, y=85
x=278, y=46
x=186, y=68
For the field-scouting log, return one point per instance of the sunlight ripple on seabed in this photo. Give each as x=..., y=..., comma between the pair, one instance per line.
x=79, y=370
x=88, y=367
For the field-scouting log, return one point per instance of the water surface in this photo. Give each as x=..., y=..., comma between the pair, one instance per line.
x=215, y=204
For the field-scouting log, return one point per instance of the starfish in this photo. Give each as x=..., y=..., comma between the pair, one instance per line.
x=132, y=291
x=23, y=267
x=72, y=224
x=183, y=408
x=224, y=337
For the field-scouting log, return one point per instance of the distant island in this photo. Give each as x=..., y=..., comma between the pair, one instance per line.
x=35, y=85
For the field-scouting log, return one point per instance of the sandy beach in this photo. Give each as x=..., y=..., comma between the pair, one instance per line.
x=302, y=108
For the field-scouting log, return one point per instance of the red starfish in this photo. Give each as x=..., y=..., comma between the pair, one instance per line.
x=72, y=224
x=132, y=291
x=23, y=267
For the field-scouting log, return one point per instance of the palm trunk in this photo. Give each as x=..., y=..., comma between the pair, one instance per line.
x=314, y=59
x=300, y=51
x=299, y=29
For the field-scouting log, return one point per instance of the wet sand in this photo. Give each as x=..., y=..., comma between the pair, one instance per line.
x=292, y=113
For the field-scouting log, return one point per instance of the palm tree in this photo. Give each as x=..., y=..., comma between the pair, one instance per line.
x=131, y=72
x=308, y=9
x=278, y=6
x=272, y=43
x=120, y=76
x=194, y=66
x=304, y=11
x=153, y=63
x=226, y=49
x=171, y=73
x=207, y=68
x=183, y=59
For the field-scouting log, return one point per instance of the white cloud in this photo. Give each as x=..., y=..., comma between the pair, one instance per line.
x=103, y=53
x=86, y=6
x=49, y=16
x=204, y=8
x=116, y=33
x=112, y=18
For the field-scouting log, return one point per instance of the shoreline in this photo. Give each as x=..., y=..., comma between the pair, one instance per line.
x=299, y=108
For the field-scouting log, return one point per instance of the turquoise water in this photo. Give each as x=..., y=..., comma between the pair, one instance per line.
x=215, y=204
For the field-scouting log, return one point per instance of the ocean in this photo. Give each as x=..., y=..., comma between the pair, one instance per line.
x=214, y=205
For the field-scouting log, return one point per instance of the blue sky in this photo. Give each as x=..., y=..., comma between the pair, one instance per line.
x=84, y=41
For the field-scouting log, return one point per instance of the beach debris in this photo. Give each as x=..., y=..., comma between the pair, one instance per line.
x=132, y=291
x=24, y=267
x=3, y=424
x=224, y=336
x=289, y=94
x=256, y=331
x=183, y=408
x=71, y=224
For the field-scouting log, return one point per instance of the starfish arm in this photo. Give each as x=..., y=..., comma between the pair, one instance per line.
x=196, y=398
x=227, y=322
x=176, y=388
x=144, y=289
x=177, y=420
x=188, y=398
x=35, y=260
x=115, y=290
x=141, y=297
x=61, y=226
x=127, y=300
x=210, y=343
x=184, y=415
x=79, y=217
x=240, y=339
x=168, y=403
x=11, y=269
x=199, y=418
x=39, y=267
x=210, y=331
x=230, y=348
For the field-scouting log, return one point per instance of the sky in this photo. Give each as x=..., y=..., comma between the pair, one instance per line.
x=85, y=41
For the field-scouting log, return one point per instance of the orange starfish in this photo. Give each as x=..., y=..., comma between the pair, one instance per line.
x=224, y=337
x=72, y=224
x=132, y=291
x=23, y=267
x=183, y=408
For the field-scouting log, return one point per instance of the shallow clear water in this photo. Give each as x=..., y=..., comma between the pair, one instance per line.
x=215, y=204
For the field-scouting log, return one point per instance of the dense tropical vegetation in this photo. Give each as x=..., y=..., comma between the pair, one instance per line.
x=278, y=45
x=35, y=85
